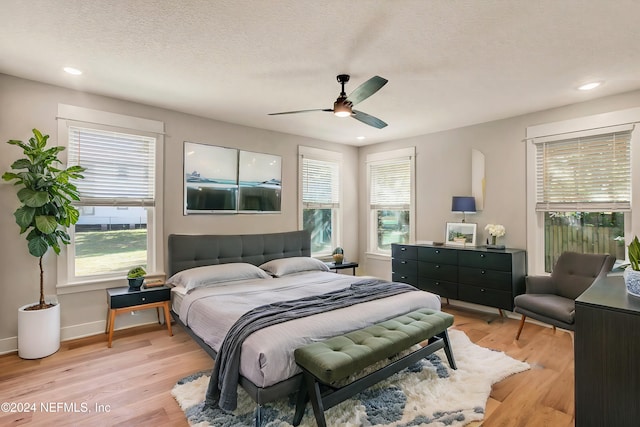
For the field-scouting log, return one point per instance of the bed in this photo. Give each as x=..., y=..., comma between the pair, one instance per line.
x=267, y=369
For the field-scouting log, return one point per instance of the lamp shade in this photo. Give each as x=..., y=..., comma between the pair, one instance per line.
x=463, y=204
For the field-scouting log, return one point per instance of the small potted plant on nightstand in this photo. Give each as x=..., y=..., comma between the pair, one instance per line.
x=338, y=255
x=136, y=277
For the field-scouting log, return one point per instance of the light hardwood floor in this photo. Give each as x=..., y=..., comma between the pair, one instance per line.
x=130, y=383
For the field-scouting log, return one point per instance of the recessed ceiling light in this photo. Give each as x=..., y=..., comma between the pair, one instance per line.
x=360, y=137
x=72, y=70
x=589, y=86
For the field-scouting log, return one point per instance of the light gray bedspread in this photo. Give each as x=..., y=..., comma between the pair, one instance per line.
x=267, y=355
x=223, y=384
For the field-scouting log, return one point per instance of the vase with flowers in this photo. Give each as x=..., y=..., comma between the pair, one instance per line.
x=495, y=231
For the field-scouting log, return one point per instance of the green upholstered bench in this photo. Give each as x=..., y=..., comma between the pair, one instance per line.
x=328, y=363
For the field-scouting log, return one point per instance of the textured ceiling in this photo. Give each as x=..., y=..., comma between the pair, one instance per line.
x=449, y=63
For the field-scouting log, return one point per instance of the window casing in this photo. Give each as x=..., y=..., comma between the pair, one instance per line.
x=391, y=199
x=579, y=186
x=320, y=196
x=120, y=205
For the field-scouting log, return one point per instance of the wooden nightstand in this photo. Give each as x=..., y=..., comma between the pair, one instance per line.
x=123, y=300
x=345, y=264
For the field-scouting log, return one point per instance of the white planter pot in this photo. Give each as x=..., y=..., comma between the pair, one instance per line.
x=632, y=280
x=38, y=332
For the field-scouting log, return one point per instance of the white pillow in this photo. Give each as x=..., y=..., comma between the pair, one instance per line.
x=216, y=274
x=283, y=266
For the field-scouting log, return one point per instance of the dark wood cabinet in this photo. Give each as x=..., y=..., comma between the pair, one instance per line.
x=607, y=355
x=478, y=275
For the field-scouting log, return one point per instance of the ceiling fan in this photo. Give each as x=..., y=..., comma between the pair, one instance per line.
x=343, y=107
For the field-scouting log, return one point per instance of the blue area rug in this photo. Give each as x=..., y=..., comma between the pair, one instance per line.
x=428, y=393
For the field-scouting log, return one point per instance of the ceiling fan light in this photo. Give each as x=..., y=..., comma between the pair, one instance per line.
x=342, y=109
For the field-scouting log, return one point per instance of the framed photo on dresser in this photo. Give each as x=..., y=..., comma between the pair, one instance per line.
x=461, y=234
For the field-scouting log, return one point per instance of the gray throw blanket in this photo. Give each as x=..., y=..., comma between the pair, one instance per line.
x=223, y=385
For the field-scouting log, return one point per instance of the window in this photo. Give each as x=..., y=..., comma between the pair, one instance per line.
x=580, y=190
x=119, y=225
x=320, y=196
x=584, y=188
x=391, y=204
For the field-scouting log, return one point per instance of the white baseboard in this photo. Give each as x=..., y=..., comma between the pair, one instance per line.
x=10, y=345
x=82, y=330
x=482, y=308
x=123, y=321
x=493, y=310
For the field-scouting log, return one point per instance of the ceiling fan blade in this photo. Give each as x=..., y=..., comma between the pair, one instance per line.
x=368, y=119
x=301, y=111
x=366, y=89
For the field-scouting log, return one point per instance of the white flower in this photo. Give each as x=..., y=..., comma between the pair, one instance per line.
x=495, y=229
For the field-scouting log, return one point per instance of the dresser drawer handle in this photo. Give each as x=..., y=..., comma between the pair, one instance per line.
x=403, y=248
x=437, y=266
x=403, y=262
x=483, y=290
x=482, y=272
x=403, y=277
x=481, y=255
x=437, y=283
x=144, y=299
x=437, y=251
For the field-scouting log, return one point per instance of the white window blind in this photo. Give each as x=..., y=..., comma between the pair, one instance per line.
x=120, y=168
x=390, y=184
x=585, y=174
x=320, y=183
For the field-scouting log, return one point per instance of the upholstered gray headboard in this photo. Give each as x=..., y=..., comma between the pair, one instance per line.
x=188, y=251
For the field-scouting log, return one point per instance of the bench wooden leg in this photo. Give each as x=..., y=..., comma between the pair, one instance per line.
x=301, y=403
x=447, y=348
x=313, y=388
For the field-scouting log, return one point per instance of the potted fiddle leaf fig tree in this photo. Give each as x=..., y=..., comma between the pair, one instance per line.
x=46, y=194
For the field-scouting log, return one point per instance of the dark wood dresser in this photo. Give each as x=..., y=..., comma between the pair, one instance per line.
x=478, y=275
x=607, y=356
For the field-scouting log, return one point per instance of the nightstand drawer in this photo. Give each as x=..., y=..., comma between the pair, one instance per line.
x=144, y=296
x=438, y=255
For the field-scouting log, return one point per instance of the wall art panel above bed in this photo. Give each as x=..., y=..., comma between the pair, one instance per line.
x=228, y=180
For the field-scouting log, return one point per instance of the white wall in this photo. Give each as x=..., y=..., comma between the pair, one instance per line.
x=25, y=104
x=443, y=165
x=443, y=169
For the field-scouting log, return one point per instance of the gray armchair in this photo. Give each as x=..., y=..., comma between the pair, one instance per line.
x=551, y=299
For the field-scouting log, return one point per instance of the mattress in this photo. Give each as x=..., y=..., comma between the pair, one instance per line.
x=177, y=294
x=267, y=355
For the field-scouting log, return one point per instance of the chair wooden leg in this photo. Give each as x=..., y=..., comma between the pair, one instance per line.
x=521, y=326
x=554, y=329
